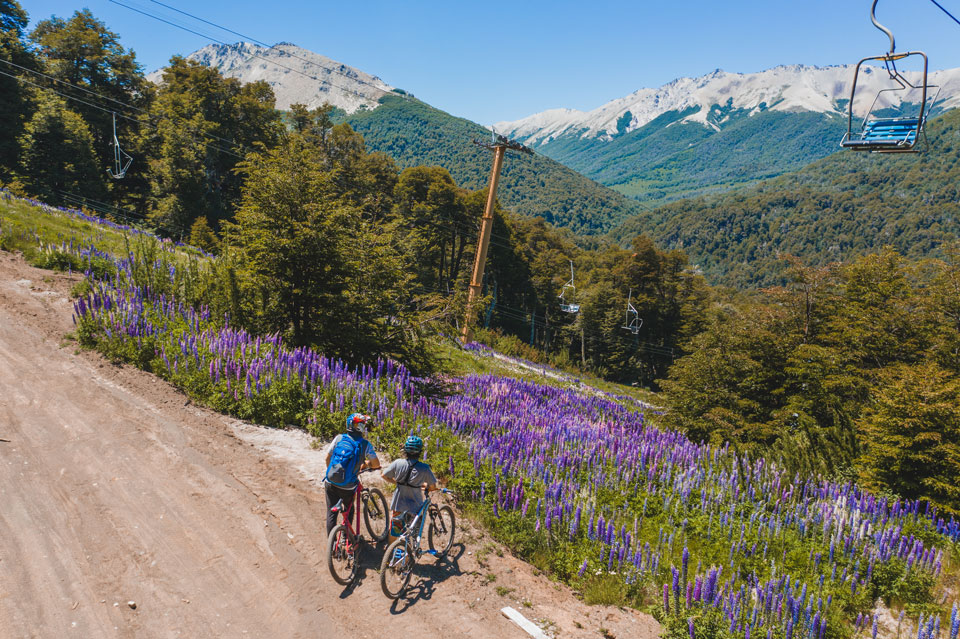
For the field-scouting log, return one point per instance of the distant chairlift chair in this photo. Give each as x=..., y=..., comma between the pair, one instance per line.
x=121, y=159
x=632, y=321
x=890, y=134
x=565, y=306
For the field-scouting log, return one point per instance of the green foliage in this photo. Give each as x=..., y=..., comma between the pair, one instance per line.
x=911, y=433
x=14, y=99
x=56, y=154
x=82, y=52
x=414, y=133
x=840, y=369
x=838, y=208
x=202, y=236
x=205, y=125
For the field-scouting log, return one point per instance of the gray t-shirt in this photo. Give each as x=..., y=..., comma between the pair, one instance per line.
x=367, y=452
x=409, y=498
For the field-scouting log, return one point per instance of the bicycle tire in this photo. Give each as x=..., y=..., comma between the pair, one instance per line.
x=444, y=538
x=395, y=574
x=342, y=556
x=375, y=511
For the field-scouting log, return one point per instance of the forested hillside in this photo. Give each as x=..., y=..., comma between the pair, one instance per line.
x=667, y=159
x=414, y=133
x=838, y=208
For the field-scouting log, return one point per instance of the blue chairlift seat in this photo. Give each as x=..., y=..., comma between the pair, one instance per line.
x=885, y=133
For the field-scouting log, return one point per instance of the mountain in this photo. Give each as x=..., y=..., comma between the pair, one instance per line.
x=699, y=135
x=295, y=74
x=414, y=133
x=837, y=208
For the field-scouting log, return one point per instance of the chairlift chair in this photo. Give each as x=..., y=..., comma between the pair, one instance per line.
x=632, y=321
x=121, y=159
x=900, y=134
x=566, y=306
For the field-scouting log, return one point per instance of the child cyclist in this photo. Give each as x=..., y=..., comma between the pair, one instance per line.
x=349, y=453
x=413, y=478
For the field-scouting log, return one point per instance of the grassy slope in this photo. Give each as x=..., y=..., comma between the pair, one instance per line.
x=843, y=206
x=671, y=507
x=414, y=133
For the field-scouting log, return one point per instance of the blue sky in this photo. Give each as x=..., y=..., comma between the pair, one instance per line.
x=500, y=60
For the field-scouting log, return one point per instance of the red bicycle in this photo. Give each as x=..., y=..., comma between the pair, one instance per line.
x=345, y=540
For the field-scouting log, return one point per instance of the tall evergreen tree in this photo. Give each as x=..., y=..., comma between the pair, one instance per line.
x=56, y=154
x=14, y=95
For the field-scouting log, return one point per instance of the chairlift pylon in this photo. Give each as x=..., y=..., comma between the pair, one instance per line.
x=565, y=306
x=884, y=134
x=632, y=322
x=121, y=159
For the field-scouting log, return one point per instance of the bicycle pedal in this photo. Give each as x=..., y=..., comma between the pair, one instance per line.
x=432, y=552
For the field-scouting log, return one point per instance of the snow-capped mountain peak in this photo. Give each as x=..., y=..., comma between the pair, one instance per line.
x=295, y=74
x=790, y=88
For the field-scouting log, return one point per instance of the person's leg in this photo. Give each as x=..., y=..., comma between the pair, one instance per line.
x=335, y=494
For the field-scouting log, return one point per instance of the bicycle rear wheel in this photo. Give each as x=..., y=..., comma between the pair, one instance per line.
x=342, y=555
x=443, y=526
x=376, y=515
x=395, y=569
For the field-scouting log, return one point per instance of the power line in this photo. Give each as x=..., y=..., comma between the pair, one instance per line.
x=254, y=55
x=122, y=103
x=269, y=46
x=106, y=110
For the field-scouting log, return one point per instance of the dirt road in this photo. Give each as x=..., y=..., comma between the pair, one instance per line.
x=115, y=489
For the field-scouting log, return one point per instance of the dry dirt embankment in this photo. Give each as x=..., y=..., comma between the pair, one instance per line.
x=115, y=489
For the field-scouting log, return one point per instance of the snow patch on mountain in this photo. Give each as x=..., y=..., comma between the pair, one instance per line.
x=296, y=75
x=790, y=88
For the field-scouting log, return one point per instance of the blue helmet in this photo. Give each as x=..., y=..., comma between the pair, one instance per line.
x=413, y=445
x=357, y=421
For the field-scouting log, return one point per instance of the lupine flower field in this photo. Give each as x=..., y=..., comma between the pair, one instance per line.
x=712, y=542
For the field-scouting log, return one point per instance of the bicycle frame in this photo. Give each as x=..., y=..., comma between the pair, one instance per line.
x=345, y=518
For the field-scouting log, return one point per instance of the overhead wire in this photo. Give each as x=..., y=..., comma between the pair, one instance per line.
x=106, y=110
x=268, y=46
x=122, y=103
x=940, y=6
x=254, y=55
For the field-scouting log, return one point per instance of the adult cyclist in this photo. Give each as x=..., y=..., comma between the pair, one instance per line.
x=349, y=453
x=413, y=478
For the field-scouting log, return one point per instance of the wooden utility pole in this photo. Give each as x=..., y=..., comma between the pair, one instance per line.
x=499, y=147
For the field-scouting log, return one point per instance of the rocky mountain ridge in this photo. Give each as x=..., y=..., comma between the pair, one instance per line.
x=295, y=74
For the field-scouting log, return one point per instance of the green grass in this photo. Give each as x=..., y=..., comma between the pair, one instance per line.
x=458, y=362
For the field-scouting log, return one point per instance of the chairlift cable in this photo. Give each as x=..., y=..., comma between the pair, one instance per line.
x=120, y=102
x=255, y=55
x=939, y=6
x=264, y=44
x=105, y=110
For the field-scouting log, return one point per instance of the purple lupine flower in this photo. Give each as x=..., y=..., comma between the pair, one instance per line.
x=690, y=628
x=583, y=568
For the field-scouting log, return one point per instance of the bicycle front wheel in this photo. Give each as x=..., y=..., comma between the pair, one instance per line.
x=443, y=526
x=395, y=569
x=342, y=555
x=376, y=515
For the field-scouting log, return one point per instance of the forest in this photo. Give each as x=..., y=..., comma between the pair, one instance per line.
x=848, y=364
x=836, y=209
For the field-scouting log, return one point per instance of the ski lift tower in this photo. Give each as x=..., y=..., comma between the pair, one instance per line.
x=499, y=146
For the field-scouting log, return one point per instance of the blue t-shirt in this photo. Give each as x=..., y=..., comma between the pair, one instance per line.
x=409, y=499
x=366, y=450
